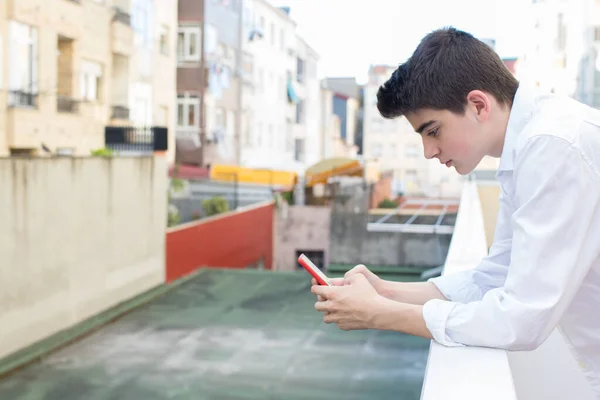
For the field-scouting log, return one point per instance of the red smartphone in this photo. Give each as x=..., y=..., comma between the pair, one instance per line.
x=312, y=269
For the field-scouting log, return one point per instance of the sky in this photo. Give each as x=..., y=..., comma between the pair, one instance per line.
x=350, y=35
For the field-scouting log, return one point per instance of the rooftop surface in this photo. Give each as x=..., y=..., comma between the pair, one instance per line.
x=229, y=335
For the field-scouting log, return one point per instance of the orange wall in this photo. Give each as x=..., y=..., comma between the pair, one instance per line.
x=381, y=190
x=235, y=239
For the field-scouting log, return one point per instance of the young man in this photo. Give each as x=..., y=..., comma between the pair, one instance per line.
x=543, y=269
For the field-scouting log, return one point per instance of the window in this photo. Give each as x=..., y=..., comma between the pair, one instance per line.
x=188, y=44
x=90, y=80
x=262, y=23
x=411, y=151
x=163, y=41
x=300, y=112
x=281, y=40
x=140, y=26
x=272, y=34
x=270, y=138
x=411, y=175
x=23, y=60
x=188, y=111
x=597, y=34
x=299, y=150
x=300, y=70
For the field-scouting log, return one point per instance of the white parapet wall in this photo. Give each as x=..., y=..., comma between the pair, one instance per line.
x=472, y=373
x=77, y=236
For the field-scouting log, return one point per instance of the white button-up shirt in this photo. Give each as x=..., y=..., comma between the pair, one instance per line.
x=543, y=269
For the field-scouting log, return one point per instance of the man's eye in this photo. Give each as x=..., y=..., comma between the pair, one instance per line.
x=433, y=132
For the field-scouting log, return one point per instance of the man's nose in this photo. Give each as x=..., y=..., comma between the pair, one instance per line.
x=431, y=151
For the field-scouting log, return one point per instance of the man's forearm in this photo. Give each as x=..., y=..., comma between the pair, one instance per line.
x=417, y=293
x=400, y=317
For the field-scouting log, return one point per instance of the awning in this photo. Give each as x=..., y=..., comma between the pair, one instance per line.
x=274, y=178
x=339, y=166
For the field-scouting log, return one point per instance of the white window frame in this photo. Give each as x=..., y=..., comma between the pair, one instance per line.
x=188, y=101
x=23, y=35
x=89, y=87
x=189, y=33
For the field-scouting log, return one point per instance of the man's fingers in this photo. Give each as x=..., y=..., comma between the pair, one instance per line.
x=323, y=306
x=324, y=291
x=337, y=281
x=359, y=269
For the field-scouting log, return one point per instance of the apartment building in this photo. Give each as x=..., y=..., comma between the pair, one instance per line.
x=208, y=85
x=71, y=69
x=282, y=114
x=396, y=147
x=561, y=49
x=341, y=96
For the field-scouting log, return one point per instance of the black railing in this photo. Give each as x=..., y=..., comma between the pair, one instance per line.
x=67, y=104
x=19, y=98
x=120, y=112
x=136, y=140
x=122, y=16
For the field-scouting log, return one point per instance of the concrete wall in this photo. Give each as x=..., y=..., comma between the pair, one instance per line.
x=300, y=228
x=237, y=239
x=352, y=244
x=77, y=237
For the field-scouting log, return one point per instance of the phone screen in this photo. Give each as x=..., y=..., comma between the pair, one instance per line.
x=320, y=277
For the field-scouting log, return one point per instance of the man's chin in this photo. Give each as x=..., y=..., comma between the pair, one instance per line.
x=462, y=170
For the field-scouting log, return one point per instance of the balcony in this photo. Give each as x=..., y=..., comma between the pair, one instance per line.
x=128, y=140
x=122, y=33
x=19, y=98
x=67, y=104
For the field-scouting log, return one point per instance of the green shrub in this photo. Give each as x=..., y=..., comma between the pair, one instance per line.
x=387, y=203
x=103, y=152
x=215, y=206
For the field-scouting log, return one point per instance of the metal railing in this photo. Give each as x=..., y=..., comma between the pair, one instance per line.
x=67, y=104
x=120, y=112
x=19, y=98
x=122, y=16
x=130, y=140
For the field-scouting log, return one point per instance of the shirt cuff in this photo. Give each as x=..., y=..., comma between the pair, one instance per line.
x=435, y=314
x=457, y=287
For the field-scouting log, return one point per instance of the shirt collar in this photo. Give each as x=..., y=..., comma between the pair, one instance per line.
x=520, y=113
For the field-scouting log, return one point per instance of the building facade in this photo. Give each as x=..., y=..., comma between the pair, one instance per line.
x=73, y=67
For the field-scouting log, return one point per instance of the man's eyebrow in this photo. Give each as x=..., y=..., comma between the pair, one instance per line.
x=424, y=126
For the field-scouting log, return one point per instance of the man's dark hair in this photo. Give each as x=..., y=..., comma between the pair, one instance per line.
x=445, y=67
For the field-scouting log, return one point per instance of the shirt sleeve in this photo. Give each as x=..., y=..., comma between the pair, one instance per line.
x=471, y=285
x=555, y=240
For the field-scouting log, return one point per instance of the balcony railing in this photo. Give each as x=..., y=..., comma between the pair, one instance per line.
x=122, y=16
x=120, y=112
x=19, y=98
x=67, y=104
x=127, y=140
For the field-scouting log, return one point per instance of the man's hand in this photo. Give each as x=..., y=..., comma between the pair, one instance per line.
x=352, y=303
x=373, y=279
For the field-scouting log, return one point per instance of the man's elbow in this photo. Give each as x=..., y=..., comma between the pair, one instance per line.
x=527, y=339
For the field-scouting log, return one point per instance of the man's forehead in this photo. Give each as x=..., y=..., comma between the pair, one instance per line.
x=421, y=119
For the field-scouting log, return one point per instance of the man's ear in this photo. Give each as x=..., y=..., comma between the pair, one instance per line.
x=480, y=103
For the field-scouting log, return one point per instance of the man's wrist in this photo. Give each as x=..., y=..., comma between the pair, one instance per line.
x=401, y=317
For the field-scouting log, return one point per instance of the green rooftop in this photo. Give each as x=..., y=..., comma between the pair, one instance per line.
x=227, y=334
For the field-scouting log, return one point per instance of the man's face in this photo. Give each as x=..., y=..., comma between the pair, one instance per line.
x=455, y=140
